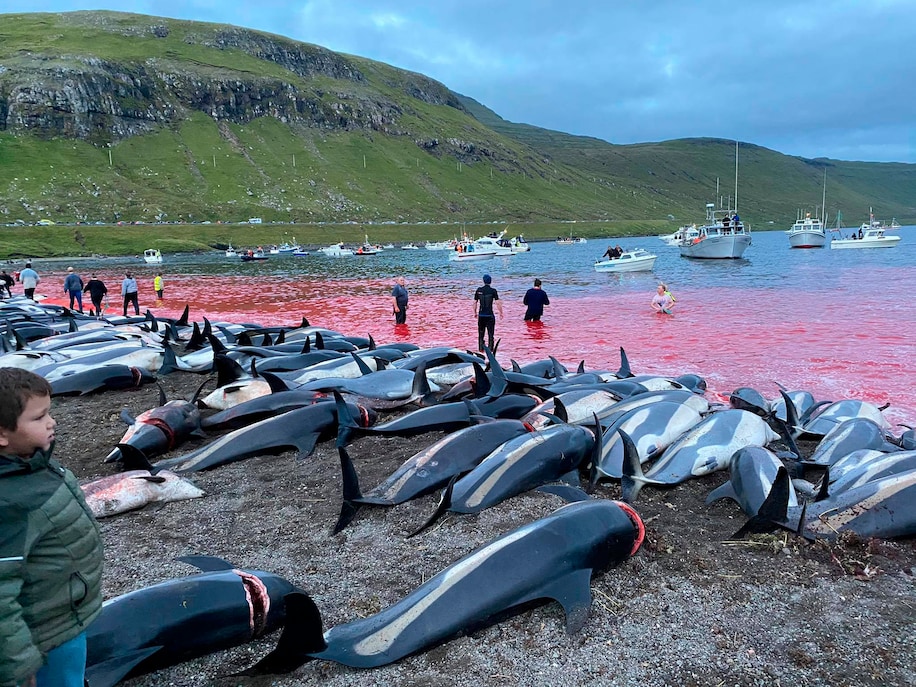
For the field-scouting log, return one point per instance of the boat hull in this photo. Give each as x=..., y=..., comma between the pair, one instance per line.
x=472, y=256
x=635, y=265
x=807, y=239
x=717, y=247
x=883, y=242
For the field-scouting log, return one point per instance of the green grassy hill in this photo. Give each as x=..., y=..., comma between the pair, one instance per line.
x=108, y=117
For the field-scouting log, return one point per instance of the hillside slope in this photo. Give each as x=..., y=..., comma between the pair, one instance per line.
x=107, y=116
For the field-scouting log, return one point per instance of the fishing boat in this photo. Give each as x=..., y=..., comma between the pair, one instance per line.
x=285, y=248
x=809, y=232
x=894, y=224
x=152, y=256
x=869, y=235
x=337, y=250
x=633, y=260
x=469, y=251
x=409, y=246
x=367, y=248
x=231, y=252
x=724, y=236
x=300, y=252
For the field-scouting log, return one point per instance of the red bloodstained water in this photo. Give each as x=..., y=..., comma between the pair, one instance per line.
x=804, y=340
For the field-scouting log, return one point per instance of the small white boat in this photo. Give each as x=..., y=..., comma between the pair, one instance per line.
x=253, y=255
x=440, y=245
x=468, y=251
x=688, y=231
x=633, y=260
x=409, y=246
x=389, y=246
x=519, y=244
x=152, y=256
x=871, y=237
x=495, y=243
x=367, y=248
x=336, y=250
x=231, y=252
x=807, y=232
x=571, y=240
x=300, y=253
x=274, y=250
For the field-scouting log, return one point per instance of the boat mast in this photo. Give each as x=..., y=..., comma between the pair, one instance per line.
x=736, y=176
x=824, y=199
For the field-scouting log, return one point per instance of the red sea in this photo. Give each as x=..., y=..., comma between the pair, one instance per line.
x=838, y=323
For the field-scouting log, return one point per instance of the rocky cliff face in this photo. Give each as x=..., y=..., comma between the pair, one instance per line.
x=75, y=96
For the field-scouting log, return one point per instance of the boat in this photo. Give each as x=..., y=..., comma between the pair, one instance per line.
x=252, y=255
x=440, y=245
x=519, y=244
x=688, y=231
x=409, y=246
x=632, y=260
x=231, y=252
x=495, y=243
x=336, y=250
x=285, y=248
x=274, y=250
x=152, y=256
x=389, y=246
x=469, y=251
x=807, y=232
x=721, y=238
x=894, y=223
x=570, y=240
x=724, y=236
x=300, y=253
x=367, y=248
x=869, y=235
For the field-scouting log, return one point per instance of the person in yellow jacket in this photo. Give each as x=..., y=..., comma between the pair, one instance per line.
x=157, y=285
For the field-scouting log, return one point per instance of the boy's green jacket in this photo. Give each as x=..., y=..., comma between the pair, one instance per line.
x=50, y=562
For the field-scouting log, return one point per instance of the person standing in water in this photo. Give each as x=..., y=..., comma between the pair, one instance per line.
x=484, y=299
x=535, y=298
x=399, y=301
x=97, y=291
x=129, y=290
x=157, y=285
x=73, y=286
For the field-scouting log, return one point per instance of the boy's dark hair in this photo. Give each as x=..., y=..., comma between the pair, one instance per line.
x=537, y=282
x=16, y=388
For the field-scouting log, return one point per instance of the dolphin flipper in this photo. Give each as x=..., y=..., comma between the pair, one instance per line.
x=726, y=491
x=111, y=672
x=567, y=492
x=207, y=563
x=573, y=592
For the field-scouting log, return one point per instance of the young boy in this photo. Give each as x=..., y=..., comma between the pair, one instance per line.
x=50, y=548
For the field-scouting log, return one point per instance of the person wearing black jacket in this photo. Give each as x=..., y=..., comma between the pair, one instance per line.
x=484, y=299
x=97, y=291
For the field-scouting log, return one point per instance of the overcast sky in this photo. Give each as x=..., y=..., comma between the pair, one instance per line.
x=815, y=78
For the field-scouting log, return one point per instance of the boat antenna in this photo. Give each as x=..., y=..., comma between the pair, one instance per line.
x=824, y=199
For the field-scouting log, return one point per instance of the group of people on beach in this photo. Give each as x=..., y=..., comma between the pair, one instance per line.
x=75, y=288
x=487, y=305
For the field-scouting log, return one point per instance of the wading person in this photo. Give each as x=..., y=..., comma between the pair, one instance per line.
x=399, y=301
x=73, y=285
x=535, y=298
x=97, y=291
x=6, y=284
x=50, y=547
x=157, y=285
x=662, y=301
x=485, y=297
x=129, y=290
x=29, y=279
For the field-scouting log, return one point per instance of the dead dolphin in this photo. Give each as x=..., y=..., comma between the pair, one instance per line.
x=848, y=436
x=177, y=620
x=551, y=558
x=752, y=472
x=134, y=489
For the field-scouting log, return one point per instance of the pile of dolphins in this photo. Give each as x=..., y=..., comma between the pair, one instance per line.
x=506, y=431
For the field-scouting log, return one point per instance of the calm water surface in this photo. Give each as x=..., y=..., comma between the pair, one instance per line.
x=840, y=323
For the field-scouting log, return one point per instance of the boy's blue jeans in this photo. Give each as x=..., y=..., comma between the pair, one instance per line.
x=65, y=665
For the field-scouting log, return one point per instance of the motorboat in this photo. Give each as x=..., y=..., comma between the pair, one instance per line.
x=495, y=243
x=724, y=236
x=688, y=231
x=868, y=236
x=409, y=246
x=285, y=248
x=252, y=255
x=367, y=248
x=300, y=253
x=633, y=260
x=519, y=244
x=440, y=245
x=152, y=256
x=274, y=250
x=807, y=232
x=469, y=251
x=231, y=252
x=570, y=240
x=336, y=250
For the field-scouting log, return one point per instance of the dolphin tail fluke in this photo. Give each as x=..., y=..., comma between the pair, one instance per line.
x=633, y=478
x=499, y=382
x=774, y=510
x=134, y=459
x=303, y=635
x=444, y=504
x=351, y=492
x=624, y=370
x=183, y=320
